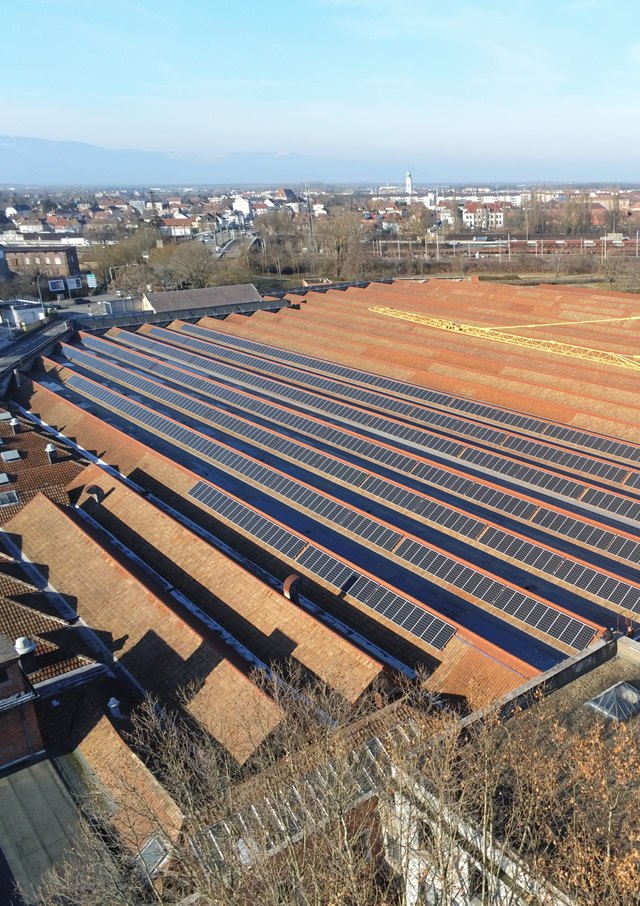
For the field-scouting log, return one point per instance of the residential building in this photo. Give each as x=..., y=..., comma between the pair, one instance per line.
x=485, y=217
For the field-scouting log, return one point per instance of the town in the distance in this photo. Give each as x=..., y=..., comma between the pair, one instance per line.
x=98, y=246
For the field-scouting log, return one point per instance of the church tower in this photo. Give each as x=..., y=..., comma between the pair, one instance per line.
x=408, y=184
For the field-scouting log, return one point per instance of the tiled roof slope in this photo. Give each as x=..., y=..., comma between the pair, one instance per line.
x=143, y=808
x=133, y=458
x=60, y=648
x=267, y=623
x=33, y=472
x=162, y=651
x=584, y=393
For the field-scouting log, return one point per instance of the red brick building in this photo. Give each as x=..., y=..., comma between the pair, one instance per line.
x=55, y=260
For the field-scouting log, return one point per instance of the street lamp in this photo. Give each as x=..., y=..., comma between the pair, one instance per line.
x=38, y=285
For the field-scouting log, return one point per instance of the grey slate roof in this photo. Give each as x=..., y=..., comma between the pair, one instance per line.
x=203, y=298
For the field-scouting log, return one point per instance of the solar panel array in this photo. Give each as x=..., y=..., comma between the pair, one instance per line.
x=431, y=562
x=223, y=456
x=576, y=438
x=459, y=485
x=408, y=434
x=342, y=578
x=446, y=518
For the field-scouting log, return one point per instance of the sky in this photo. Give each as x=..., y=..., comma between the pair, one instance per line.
x=455, y=90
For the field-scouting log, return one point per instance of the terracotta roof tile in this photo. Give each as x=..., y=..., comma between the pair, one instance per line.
x=143, y=632
x=60, y=648
x=270, y=625
x=142, y=804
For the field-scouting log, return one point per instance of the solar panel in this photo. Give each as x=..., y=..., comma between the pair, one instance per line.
x=261, y=528
x=492, y=591
x=394, y=607
x=415, y=392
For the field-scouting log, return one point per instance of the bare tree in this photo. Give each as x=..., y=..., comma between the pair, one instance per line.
x=370, y=806
x=192, y=264
x=341, y=238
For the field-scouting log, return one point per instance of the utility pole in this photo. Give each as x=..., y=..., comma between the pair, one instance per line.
x=311, y=238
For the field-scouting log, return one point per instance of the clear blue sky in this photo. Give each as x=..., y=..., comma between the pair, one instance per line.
x=487, y=86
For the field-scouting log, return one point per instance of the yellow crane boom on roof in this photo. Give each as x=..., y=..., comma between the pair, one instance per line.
x=602, y=356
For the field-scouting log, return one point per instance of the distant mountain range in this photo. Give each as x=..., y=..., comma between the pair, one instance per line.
x=39, y=162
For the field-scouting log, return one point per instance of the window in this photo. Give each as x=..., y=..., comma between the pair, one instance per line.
x=57, y=260
x=620, y=702
x=27, y=260
x=47, y=260
x=37, y=261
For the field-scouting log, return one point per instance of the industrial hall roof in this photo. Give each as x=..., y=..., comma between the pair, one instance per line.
x=433, y=497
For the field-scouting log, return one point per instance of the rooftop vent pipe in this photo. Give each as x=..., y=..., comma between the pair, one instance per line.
x=51, y=450
x=15, y=425
x=96, y=492
x=24, y=645
x=114, y=706
x=289, y=587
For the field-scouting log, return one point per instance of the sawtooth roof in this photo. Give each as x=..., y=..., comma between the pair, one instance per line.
x=143, y=632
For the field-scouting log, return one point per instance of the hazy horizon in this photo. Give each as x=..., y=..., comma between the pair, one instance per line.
x=339, y=89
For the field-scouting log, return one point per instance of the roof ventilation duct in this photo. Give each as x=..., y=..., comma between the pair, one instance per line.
x=96, y=492
x=24, y=645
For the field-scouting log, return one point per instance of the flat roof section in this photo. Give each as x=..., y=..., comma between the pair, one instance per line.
x=38, y=819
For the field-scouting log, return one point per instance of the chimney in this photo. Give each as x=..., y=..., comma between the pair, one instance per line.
x=15, y=425
x=51, y=451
